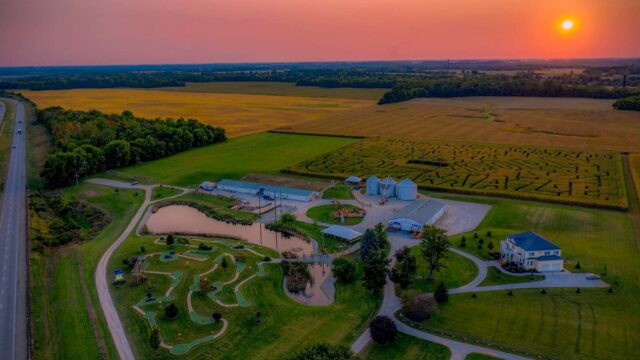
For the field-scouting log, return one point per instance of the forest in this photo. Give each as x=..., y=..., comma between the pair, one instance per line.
x=628, y=103
x=86, y=143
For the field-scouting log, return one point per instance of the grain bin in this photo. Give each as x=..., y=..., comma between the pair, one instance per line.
x=373, y=185
x=388, y=187
x=407, y=190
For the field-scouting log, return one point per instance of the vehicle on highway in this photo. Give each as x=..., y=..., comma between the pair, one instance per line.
x=19, y=131
x=592, y=277
x=134, y=183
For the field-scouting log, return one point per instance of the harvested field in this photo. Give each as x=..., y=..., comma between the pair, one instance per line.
x=280, y=89
x=568, y=176
x=553, y=122
x=239, y=114
x=287, y=181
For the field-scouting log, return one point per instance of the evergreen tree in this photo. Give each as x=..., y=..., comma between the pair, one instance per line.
x=441, y=294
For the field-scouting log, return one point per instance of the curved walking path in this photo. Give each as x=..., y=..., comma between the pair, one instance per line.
x=106, y=302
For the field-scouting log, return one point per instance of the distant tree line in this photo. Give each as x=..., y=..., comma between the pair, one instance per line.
x=501, y=85
x=88, y=142
x=628, y=103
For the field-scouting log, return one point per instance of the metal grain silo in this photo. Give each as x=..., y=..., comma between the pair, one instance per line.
x=407, y=190
x=388, y=187
x=373, y=185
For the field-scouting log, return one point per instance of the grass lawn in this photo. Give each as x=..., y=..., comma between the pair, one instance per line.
x=266, y=153
x=564, y=324
x=457, y=272
x=497, y=277
x=476, y=356
x=406, y=347
x=279, y=89
x=59, y=306
x=634, y=162
x=325, y=214
x=285, y=325
x=338, y=192
x=163, y=192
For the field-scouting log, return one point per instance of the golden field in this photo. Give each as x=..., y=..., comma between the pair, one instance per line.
x=548, y=122
x=239, y=114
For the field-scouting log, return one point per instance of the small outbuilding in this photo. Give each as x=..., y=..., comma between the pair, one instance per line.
x=342, y=232
x=407, y=190
x=373, y=185
x=353, y=180
x=207, y=186
x=388, y=187
x=414, y=216
x=276, y=192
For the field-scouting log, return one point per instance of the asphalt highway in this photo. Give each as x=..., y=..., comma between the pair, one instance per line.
x=13, y=243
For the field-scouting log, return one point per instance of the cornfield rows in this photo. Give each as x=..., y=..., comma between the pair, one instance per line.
x=569, y=176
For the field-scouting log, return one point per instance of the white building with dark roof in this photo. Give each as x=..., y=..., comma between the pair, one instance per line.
x=414, y=216
x=530, y=251
x=283, y=192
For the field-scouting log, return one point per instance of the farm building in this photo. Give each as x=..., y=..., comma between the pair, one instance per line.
x=414, y=216
x=207, y=186
x=373, y=185
x=388, y=187
x=247, y=187
x=407, y=190
x=354, y=180
x=530, y=251
x=342, y=232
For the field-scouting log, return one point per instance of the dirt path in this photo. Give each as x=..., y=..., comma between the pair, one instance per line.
x=93, y=317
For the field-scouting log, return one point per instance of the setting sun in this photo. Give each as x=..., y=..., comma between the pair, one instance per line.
x=567, y=25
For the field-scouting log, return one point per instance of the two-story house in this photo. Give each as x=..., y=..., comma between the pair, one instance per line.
x=531, y=251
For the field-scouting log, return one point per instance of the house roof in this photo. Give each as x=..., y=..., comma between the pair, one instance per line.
x=530, y=241
x=207, y=184
x=342, y=232
x=549, y=258
x=265, y=187
x=353, y=178
x=420, y=211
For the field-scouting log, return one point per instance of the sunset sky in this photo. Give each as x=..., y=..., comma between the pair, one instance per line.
x=67, y=32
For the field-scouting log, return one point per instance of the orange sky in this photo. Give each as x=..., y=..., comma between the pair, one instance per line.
x=66, y=32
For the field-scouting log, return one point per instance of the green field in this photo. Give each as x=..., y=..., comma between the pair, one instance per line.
x=281, y=317
x=594, y=324
x=458, y=271
x=406, y=347
x=325, y=214
x=338, y=192
x=161, y=192
x=280, y=89
x=60, y=315
x=266, y=153
x=497, y=277
x=6, y=134
x=556, y=175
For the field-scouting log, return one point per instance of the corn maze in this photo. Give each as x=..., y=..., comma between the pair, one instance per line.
x=592, y=178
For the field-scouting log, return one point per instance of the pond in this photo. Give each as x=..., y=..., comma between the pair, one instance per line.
x=181, y=219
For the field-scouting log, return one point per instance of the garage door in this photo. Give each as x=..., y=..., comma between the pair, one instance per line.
x=555, y=267
x=545, y=267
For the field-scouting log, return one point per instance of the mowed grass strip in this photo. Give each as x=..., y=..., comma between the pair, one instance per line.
x=591, y=325
x=549, y=174
x=280, y=89
x=239, y=114
x=60, y=318
x=264, y=153
x=406, y=347
x=634, y=162
x=570, y=123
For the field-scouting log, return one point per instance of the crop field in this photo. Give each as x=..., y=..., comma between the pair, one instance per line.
x=239, y=114
x=548, y=122
x=634, y=162
x=572, y=176
x=280, y=89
